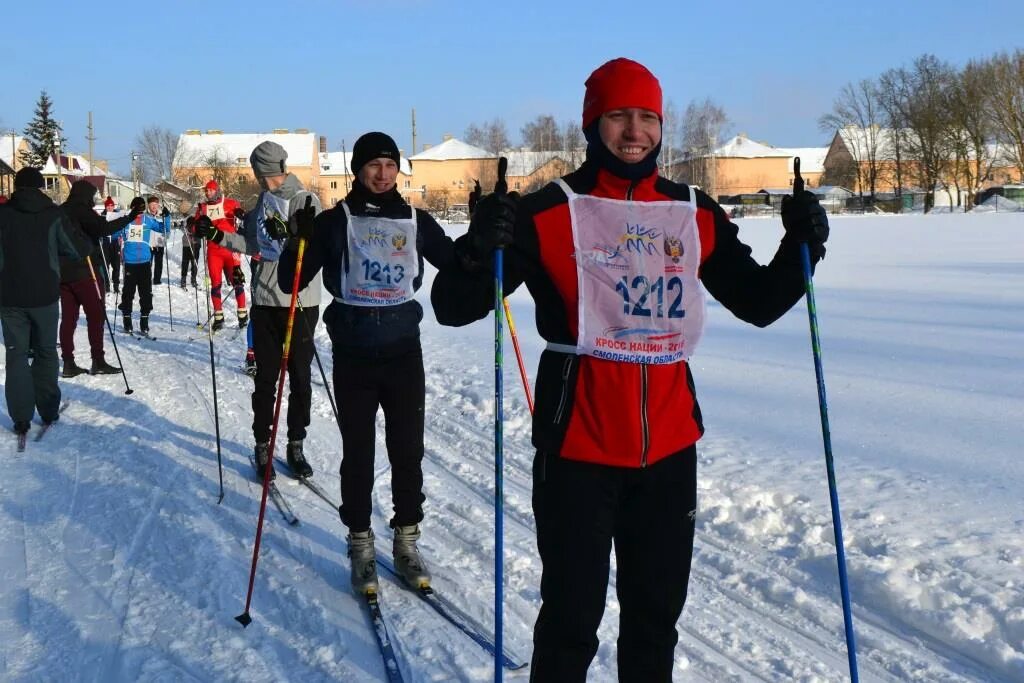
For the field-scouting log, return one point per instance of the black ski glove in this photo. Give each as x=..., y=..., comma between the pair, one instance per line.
x=135, y=213
x=237, y=277
x=493, y=224
x=166, y=212
x=239, y=215
x=205, y=229
x=805, y=221
x=276, y=227
x=301, y=222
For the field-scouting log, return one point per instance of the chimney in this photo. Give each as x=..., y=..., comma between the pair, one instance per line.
x=323, y=144
x=302, y=131
x=426, y=146
x=214, y=131
x=447, y=137
x=280, y=131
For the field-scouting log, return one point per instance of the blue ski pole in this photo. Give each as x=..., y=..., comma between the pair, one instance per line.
x=500, y=187
x=837, y=522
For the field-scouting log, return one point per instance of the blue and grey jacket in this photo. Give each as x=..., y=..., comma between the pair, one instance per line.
x=254, y=239
x=138, y=236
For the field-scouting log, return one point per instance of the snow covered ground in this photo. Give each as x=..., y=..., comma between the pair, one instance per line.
x=117, y=563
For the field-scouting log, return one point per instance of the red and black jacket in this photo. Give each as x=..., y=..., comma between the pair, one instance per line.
x=601, y=411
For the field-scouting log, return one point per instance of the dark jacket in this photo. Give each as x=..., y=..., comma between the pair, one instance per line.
x=90, y=225
x=373, y=332
x=602, y=411
x=34, y=234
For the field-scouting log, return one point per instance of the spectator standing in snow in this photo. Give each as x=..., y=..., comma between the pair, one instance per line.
x=190, y=246
x=264, y=231
x=614, y=256
x=159, y=236
x=77, y=288
x=111, y=245
x=34, y=234
x=371, y=248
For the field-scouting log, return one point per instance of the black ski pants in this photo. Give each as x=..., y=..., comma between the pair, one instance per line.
x=31, y=386
x=137, y=276
x=158, y=264
x=397, y=386
x=269, y=324
x=189, y=257
x=112, y=252
x=582, y=511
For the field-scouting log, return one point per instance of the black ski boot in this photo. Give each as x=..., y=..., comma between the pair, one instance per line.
x=218, y=321
x=102, y=367
x=71, y=369
x=126, y=323
x=250, y=364
x=262, y=457
x=243, y=319
x=22, y=427
x=144, y=324
x=300, y=467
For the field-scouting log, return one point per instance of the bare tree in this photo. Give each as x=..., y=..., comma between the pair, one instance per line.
x=491, y=135
x=703, y=125
x=928, y=122
x=893, y=90
x=542, y=134
x=156, y=147
x=1007, y=92
x=574, y=145
x=671, y=140
x=856, y=116
x=972, y=129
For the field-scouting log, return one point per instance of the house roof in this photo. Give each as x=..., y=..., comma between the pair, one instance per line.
x=194, y=148
x=5, y=148
x=340, y=163
x=740, y=146
x=525, y=162
x=452, y=148
x=812, y=159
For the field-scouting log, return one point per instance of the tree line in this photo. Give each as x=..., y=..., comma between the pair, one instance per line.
x=932, y=125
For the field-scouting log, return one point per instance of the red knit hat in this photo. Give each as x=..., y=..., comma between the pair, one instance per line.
x=618, y=84
x=212, y=185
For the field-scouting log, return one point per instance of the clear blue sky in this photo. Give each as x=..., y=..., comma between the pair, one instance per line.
x=342, y=67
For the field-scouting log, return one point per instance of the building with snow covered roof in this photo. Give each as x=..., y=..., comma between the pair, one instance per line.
x=742, y=166
x=854, y=149
x=200, y=157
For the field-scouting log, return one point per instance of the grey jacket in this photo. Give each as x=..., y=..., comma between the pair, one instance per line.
x=265, y=290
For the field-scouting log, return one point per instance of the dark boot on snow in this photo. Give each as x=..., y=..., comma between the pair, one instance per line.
x=262, y=457
x=71, y=369
x=297, y=461
x=102, y=367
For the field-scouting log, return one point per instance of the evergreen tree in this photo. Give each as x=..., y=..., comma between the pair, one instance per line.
x=43, y=134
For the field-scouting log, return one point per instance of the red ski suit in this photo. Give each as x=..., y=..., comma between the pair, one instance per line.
x=219, y=260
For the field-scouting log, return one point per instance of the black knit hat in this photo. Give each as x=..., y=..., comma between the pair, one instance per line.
x=29, y=177
x=373, y=146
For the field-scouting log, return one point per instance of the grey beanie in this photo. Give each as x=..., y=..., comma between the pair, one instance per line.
x=268, y=159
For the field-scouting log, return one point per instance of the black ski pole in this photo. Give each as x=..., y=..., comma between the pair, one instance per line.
x=195, y=269
x=213, y=375
x=167, y=268
x=106, y=319
x=323, y=375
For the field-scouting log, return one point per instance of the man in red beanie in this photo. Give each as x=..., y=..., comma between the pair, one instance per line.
x=221, y=212
x=617, y=420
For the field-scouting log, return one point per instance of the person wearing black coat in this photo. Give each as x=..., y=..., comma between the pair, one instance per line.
x=34, y=233
x=79, y=285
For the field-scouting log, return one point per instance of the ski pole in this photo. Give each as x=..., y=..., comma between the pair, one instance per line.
x=195, y=268
x=167, y=268
x=519, y=354
x=500, y=187
x=244, y=619
x=323, y=375
x=106, y=319
x=213, y=375
x=837, y=523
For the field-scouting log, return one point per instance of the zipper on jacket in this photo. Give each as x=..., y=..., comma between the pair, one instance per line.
x=629, y=190
x=566, y=370
x=644, y=427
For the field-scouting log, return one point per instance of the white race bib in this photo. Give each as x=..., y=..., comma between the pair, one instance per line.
x=136, y=233
x=215, y=212
x=636, y=269
x=382, y=260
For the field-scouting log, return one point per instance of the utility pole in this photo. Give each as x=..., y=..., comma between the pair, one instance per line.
x=60, y=175
x=413, y=153
x=90, y=137
x=135, y=174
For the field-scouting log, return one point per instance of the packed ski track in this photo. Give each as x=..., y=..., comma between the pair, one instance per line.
x=118, y=564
